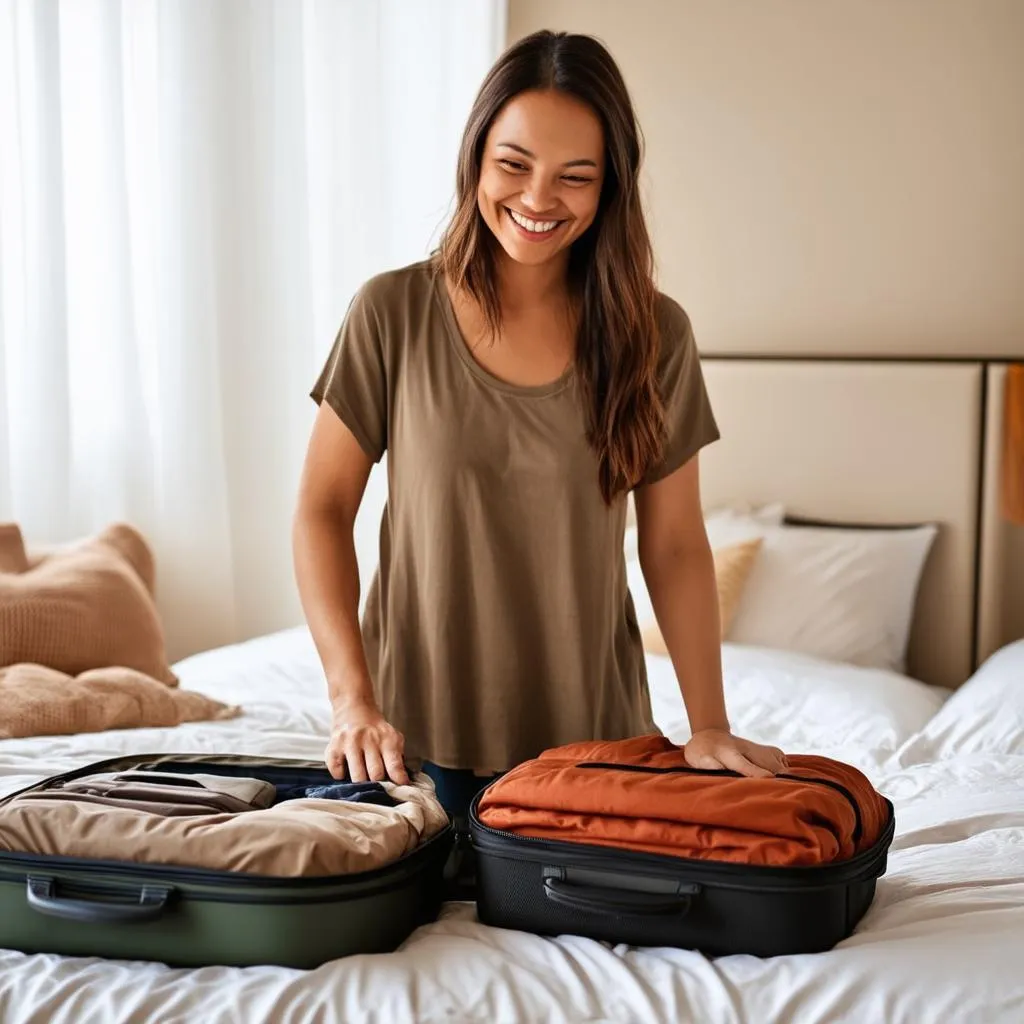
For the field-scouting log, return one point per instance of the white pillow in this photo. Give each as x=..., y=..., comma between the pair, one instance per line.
x=984, y=716
x=843, y=594
x=727, y=526
x=724, y=526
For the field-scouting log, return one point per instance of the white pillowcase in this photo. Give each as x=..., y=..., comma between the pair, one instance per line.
x=724, y=526
x=727, y=526
x=842, y=594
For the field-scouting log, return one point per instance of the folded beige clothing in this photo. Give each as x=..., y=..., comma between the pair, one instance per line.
x=237, y=793
x=295, y=838
x=165, y=792
x=140, y=806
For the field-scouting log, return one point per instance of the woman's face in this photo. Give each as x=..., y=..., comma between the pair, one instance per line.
x=541, y=174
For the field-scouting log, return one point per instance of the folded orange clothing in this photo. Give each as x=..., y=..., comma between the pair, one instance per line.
x=641, y=795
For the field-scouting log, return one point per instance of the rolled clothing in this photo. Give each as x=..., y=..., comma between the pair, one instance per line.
x=295, y=838
x=356, y=792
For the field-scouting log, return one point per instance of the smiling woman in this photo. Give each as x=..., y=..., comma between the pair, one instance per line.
x=539, y=190
x=523, y=382
x=553, y=140
x=551, y=197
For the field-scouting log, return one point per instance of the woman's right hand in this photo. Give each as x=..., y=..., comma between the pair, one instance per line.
x=364, y=746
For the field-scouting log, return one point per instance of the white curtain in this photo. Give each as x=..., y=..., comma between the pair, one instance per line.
x=190, y=192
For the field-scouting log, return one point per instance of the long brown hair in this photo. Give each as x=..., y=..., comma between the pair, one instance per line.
x=611, y=265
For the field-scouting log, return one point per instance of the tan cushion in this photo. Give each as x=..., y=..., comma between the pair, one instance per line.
x=84, y=606
x=40, y=701
x=12, y=549
x=732, y=567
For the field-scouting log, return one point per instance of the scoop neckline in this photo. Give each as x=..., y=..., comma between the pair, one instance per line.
x=462, y=350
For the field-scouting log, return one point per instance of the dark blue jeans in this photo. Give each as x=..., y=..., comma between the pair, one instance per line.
x=456, y=788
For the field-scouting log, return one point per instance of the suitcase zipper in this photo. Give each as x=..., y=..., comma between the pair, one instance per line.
x=858, y=828
x=864, y=864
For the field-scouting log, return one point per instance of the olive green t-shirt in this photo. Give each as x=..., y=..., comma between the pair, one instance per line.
x=499, y=622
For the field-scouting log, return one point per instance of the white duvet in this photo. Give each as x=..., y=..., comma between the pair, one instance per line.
x=943, y=941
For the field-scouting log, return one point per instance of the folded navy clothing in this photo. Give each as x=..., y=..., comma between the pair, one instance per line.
x=356, y=792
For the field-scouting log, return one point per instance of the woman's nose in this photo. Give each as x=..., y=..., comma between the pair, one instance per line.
x=537, y=195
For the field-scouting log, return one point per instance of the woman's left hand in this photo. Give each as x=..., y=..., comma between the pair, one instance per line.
x=718, y=748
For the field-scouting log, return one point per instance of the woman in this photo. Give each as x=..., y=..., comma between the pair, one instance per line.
x=523, y=382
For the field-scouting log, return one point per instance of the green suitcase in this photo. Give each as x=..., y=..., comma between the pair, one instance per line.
x=190, y=917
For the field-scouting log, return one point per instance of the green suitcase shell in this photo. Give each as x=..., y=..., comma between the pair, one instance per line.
x=190, y=917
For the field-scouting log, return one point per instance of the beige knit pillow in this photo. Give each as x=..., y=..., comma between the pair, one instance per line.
x=12, y=549
x=732, y=567
x=38, y=701
x=85, y=606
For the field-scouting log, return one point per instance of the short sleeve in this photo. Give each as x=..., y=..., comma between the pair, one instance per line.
x=689, y=421
x=353, y=381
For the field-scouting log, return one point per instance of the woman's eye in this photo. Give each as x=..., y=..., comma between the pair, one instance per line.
x=576, y=179
x=512, y=165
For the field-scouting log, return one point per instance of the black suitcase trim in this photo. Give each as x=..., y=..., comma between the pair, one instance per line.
x=494, y=842
x=19, y=866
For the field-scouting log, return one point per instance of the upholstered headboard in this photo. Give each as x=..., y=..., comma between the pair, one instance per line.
x=864, y=441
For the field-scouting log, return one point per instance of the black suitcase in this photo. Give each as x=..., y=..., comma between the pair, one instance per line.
x=550, y=887
x=184, y=916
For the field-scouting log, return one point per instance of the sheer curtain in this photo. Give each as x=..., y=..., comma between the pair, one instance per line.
x=190, y=192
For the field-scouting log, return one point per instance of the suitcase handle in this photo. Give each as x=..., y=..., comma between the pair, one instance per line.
x=41, y=893
x=609, y=901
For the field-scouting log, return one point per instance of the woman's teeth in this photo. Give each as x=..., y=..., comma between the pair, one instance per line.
x=537, y=226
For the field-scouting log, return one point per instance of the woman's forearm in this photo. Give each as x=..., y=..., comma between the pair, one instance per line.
x=327, y=574
x=684, y=596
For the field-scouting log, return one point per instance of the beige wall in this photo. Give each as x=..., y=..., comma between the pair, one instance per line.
x=828, y=175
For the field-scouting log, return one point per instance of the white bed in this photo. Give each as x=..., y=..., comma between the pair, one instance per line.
x=943, y=941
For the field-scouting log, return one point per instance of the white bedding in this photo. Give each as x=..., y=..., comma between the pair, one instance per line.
x=943, y=942
x=806, y=705
x=985, y=716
